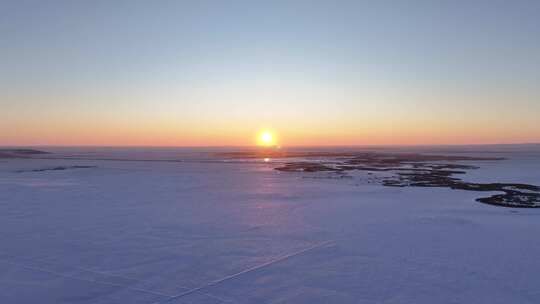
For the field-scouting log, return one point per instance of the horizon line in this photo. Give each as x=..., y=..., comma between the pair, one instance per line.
x=256, y=146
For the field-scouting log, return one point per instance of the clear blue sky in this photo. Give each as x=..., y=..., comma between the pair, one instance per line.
x=315, y=72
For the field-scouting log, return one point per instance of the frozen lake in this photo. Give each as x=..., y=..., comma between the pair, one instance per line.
x=198, y=229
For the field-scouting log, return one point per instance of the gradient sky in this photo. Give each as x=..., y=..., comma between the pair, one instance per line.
x=316, y=72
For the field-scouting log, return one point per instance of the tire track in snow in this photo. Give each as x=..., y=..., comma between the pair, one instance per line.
x=105, y=274
x=85, y=280
x=252, y=269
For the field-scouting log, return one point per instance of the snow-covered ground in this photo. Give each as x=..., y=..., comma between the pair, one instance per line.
x=241, y=232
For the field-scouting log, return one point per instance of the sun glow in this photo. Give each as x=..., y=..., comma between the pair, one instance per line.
x=266, y=138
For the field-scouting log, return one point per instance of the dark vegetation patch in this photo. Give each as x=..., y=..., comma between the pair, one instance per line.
x=59, y=168
x=20, y=153
x=419, y=170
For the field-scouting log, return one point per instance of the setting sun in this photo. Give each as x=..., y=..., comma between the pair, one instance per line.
x=266, y=138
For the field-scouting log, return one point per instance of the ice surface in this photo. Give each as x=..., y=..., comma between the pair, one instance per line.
x=241, y=232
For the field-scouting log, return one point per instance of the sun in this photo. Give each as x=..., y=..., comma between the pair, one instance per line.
x=266, y=138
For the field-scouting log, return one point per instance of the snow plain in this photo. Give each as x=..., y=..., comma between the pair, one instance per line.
x=241, y=232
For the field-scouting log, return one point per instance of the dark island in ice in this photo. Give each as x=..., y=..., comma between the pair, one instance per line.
x=409, y=170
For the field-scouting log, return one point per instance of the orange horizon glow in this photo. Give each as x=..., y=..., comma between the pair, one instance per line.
x=163, y=131
x=109, y=134
x=126, y=137
x=321, y=127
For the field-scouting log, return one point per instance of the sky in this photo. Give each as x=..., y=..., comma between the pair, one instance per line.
x=216, y=73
